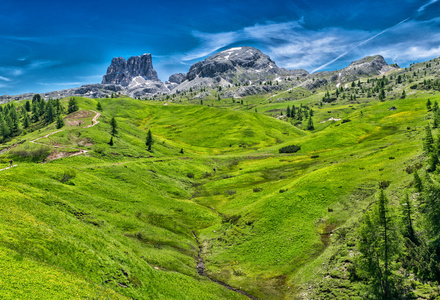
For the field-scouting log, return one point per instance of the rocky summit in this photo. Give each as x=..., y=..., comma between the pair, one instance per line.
x=123, y=71
x=232, y=61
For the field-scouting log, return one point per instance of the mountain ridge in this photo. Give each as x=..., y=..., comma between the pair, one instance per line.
x=242, y=69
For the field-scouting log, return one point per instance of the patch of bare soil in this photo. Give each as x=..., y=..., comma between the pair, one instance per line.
x=61, y=154
x=76, y=118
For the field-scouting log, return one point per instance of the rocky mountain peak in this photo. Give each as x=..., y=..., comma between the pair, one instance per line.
x=123, y=71
x=232, y=60
x=369, y=65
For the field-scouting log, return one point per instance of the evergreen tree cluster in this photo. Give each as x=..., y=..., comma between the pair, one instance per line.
x=395, y=242
x=301, y=113
x=13, y=120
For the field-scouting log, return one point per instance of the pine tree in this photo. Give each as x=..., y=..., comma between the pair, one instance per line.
x=432, y=162
x=428, y=144
x=99, y=106
x=382, y=95
x=36, y=98
x=407, y=224
x=49, y=114
x=27, y=106
x=379, y=247
x=435, y=107
x=428, y=104
x=288, y=111
x=8, y=126
x=41, y=107
x=149, y=141
x=72, y=106
x=15, y=122
x=60, y=122
x=35, y=112
x=111, y=141
x=403, y=95
x=26, y=121
x=417, y=182
x=310, y=124
x=114, y=126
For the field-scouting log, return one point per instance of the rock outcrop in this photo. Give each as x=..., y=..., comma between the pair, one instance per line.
x=240, y=65
x=123, y=71
x=177, y=78
x=233, y=61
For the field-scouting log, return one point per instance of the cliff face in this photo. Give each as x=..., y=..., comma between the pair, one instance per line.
x=123, y=71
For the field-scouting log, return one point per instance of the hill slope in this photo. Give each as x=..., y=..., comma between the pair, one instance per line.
x=120, y=221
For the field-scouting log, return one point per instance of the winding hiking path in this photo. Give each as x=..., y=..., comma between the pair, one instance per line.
x=81, y=151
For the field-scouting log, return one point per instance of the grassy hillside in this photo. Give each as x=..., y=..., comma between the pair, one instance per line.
x=118, y=221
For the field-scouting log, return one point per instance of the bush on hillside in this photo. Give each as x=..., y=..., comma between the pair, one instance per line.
x=290, y=149
x=30, y=152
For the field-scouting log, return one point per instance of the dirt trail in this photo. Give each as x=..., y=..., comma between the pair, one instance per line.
x=8, y=167
x=66, y=154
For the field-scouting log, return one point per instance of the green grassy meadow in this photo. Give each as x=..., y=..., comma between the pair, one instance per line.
x=118, y=222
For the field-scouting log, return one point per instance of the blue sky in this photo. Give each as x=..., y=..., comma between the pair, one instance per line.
x=53, y=45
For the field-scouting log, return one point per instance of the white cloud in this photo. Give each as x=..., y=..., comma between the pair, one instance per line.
x=293, y=45
x=422, y=8
x=5, y=79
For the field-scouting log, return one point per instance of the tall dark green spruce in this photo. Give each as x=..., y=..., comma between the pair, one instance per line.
x=310, y=124
x=72, y=106
x=379, y=248
x=149, y=141
x=114, y=126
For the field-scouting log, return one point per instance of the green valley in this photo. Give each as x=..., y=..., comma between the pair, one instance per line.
x=121, y=222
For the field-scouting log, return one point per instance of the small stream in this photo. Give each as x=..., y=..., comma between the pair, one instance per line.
x=201, y=271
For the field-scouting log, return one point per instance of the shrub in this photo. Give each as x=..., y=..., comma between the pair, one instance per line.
x=290, y=149
x=67, y=175
x=30, y=152
x=190, y=175
x=231, y=192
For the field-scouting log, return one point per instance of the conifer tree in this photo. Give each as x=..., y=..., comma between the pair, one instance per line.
x=310, y=124
x=72, y=106
x=41, y=107
x=407, y=223
x=27, y=106
x=114, y=126
x=288, y=111
x=15, y=122
x=49, y=114
x=111, y=141
x=293, y=111
x=428, y=104
x=432, y=162
x=60, y=122
x=99, y=106
x=382, y=95
x=35, y=112
x=428, y=144
x=435, y=107
x=379, y=247
x=149, y=141
x=417, y=182
x=36, y=98
x=26, y=121
x=403, y=95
